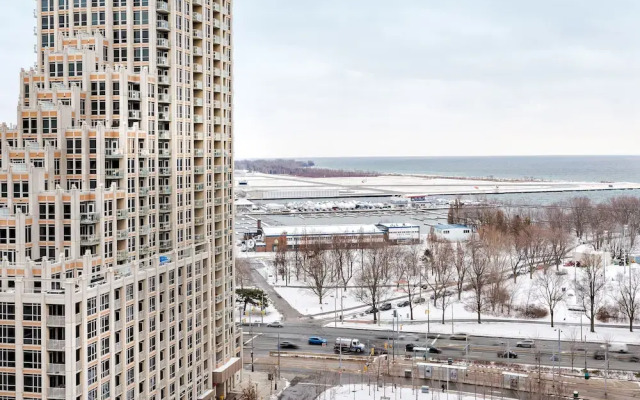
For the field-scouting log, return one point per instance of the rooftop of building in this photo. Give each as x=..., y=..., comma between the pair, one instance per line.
x=450, y=226
x=321, y=230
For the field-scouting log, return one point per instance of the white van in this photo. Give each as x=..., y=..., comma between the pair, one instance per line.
x=616, y=347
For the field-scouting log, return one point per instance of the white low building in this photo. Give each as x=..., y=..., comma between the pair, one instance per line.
x=400, y=232
x=452, y=232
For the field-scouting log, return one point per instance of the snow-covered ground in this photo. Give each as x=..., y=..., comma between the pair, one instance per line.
x=357, y=391
x=412, y=184
x=525, y=292
x=254, y=315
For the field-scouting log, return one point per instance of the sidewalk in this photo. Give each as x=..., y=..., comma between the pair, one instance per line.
x=266, y=388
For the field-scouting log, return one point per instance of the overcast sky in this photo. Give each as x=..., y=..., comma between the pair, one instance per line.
x=417, y=77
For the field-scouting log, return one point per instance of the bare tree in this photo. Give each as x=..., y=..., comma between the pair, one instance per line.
x=439, y=261
x=551, y=291
x=628, y=297
x=408, y=271
x=280, y=260
x=626, y=211
x=590, y=287
x=517, y=253
x=374, y=277
x=340, y=257
x=318, y=273
x=478, y=276
x=460, y=264
x=580, y=212
x=535, y=246
x=243, y=271
x=496, y=246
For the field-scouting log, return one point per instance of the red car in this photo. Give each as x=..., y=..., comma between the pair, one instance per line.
x=571, y=264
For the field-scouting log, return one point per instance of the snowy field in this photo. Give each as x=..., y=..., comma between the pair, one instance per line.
x=364, y=392
x=525, y=292
x=254, y=315
x=413, y=184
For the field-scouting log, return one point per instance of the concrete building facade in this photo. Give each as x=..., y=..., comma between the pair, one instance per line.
x=116, y=206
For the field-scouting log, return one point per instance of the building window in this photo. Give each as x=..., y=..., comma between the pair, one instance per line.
x=32, y=359
x=7, y=382
x=7, y=358
x=32, y=312
x=7, y=311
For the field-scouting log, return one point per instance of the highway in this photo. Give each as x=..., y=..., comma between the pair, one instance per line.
x=264, y=340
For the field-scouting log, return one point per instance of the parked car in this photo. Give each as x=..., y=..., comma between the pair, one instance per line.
x=371, y=310
x=419, y=300
x=507, y=354
x=526, y=343
x=458, y=336
x=317, y=340
x=288, y=345
x=386, y=306
x=634, y=358
x=404, y=303
x=599, y=355
x=275, y=324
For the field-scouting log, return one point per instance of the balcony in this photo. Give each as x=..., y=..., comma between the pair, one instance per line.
x=144, y=210
x=197, y=68
x=199, y=220
x=219, y=314
x=198, y=170
x=218, y=250
x=162, y=7
x=198, y=187
x=113, y=153
x=219, y=298
x=144, y=250
x=217, y=153
x=164, y=171
x=199, y=238
x=135, y=114
x=197, y=34
x=89, y=218
x=163, y=25
x=218, y=234
x=58, y=393
x=165, y=189
x=144, y=191
x=217, y=120
x=164, y=134
x=198, y=203
x=114, y=173
x=198, y=136
x=197, y=2
x=219, y=282
x=165, y=153
x=197, y=51
x=165, y=208
x=164, y=116
x=164, y=80
x=122, y=214
x=165, y=245
x=197, y=85
x=55, y=320
x=218, y=266
x=163, y=43
x=165, y=226
x=55, y=344
x=197, y=17
x=134, y=95
x=89, y=240
x=56, y=369
x=163, y=62
x=198, y=102
x=198, y=119
x=122, y=234
x=217, y=169
x=143, y=172
x=143, y=153
x=217, y=88
x=164, y=98
x=216, y=39
x=216, y=55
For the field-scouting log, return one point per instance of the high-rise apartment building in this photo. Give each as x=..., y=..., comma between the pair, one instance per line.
x=116, y=263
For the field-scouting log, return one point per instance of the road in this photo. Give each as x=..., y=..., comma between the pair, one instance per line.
x=480, y=348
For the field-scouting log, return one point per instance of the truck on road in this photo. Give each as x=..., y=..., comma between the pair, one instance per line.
x=346, y=345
